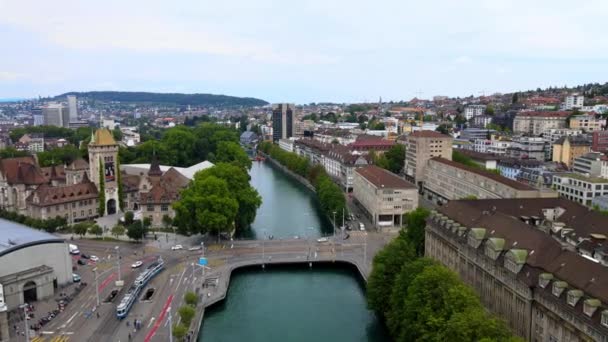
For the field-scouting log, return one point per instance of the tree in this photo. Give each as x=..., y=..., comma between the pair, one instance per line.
x=386, y=266
x=129, y=217
x=489, y=110
x=191, y=298
x=180, y=142
x=395, y=157
x=121, y=201
x=515, y=98
x=118, y=230
x=443, y=128
x=95, y=230
x=147, y=222
x=415, y=222
x=231, y=152
x=167, y=221
x=81, y=228
x=179, y=331
x=135, y=231
x=117, y=134
x=187, y=314
x=102, y=190
x=207, y=205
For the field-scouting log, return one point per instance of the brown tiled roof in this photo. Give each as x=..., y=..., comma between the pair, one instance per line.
x=428, y=134
x=382, y=178
x=22, y=170
x=560, y=114
x=129, y=182
x=495, y=177
x=174, y=179
x=52, y=195
x=574, y=141
x=54, y=172
x=78, y=164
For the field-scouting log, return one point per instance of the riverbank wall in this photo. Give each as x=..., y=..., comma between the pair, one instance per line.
x=294, y=175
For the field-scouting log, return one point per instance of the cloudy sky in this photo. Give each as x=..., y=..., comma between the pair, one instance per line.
x=301, y=51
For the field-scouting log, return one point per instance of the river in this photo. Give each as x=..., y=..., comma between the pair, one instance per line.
x=291, y=303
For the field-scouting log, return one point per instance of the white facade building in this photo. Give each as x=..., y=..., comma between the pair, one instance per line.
x=574, y=101
x=472, y=111
x=73, y=108
x=286, y=144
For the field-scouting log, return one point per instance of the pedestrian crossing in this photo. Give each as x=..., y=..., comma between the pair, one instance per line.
x=50, y=339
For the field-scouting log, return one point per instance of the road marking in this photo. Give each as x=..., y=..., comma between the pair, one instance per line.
x=180, y=278
x=68, y=321
x=151, y=321
x=160, y=319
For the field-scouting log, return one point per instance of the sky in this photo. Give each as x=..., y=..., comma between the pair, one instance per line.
x=301, y=51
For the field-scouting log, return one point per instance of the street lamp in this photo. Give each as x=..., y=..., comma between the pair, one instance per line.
x=96, y=286
x=27, y=329
x=118, y=261
x=334, y=224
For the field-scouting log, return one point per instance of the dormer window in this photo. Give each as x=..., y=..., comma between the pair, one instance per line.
x=558, y=288
x=573, y=297
x=605, y=318
x=590, y=306
x=544, y=279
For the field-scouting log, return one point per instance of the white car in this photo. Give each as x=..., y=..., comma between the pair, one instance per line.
x=323, y=239
x=361, y=226
x=195, y=248
x=176, y=247
x=94, y=258
x=137, y=264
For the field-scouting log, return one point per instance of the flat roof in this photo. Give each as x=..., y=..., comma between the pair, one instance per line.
x=14, y=236
x=382, y=178
x=583, y=178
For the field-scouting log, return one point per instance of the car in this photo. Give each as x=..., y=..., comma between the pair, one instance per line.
x=137, y=264
x=361, y=226
x=75, y=278
x=94, y=258
x=323, y=239
x=81, y=262
x=84, y=256
x=348, y=227
x=177, y=247
x=195, y=248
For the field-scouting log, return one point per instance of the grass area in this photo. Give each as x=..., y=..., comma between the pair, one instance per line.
x=216, y=262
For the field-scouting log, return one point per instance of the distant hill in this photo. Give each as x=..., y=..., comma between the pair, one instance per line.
x=169, y=98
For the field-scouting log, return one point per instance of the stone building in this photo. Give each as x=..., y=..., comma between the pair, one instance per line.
x=19, y=177
x=565, y=149
x=539, y=264
x=384, y=195
x=536, y=123
x=75, y=202
x=103, y=162
x=422, y=146
x=159, y=190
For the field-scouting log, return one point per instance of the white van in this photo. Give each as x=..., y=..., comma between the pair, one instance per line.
x=73, y=249
x=361, y=226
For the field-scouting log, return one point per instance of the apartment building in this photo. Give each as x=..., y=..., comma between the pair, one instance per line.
x=422, y=146
x=579, y=188
x=539, y=264
x=286, y=144
x=599, y=142
x=384, y=196
x=588, y=122
x=552, y=135
x=283, y=118
x=511, y=167
x=589, y=164
x=574, y=101
x=524, y=147
x=567, y=148
x=446, y=180
x=536, y=123
x=472, y=111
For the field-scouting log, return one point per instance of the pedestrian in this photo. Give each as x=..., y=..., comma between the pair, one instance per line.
x=129, y=336
x=98, y=315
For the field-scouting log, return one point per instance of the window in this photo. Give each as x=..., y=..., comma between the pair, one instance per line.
x=150, y=207
x=542, y=282
x=164, y=207
x=73, y=204
x=490, y=252
x=605, y=318
x=511, y=265
x=590, y=306
x=557, y=289
x=573, y=296
x=90, y=212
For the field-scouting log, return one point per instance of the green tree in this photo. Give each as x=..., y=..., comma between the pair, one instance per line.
x=191, y=298
x=81, y=228
x=147, y=222
x=395, y=157
x=135, y=231
x=59, y=155
x=95, y=230
x=443, y=128
x=515, y=98
x=489, y=110
x=207, y=205
x=11, y=152
x=167, y=221
x=415, y=221
x=121, y=200
x=118, y=230
x=386, y=266
x=102, y=190
x=129, y=217
x=231, y=152
x=186, y=313
x=179, y=331
x=180, y=143
x=117, y=134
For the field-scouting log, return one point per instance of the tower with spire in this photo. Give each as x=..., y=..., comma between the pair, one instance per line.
x=103, y=155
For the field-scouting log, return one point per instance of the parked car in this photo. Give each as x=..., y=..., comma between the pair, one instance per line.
x=94, y=258
x=137, y=264
x=177, y=247
x=84, y=256
x=75, y=277
x=323, y=239
x=195, y=248
x=361, y=226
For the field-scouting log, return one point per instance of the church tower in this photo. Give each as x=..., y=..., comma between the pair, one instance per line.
x=103, y=155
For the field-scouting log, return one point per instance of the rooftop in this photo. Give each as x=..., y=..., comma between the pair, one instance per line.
x=382, y=178
x=188, y=172
x=429, y=134
x=16, y=236
x=546, y=114
x=583, y=178
x=103, y=137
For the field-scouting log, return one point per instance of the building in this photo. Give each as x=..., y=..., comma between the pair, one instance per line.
x=73, y=108
x=476, y=133
x=536, y=123
x=552, y=135
x=589, y=164
x=588, y=122
x=384, y=195
x=340, y=163
x=536, y=263
x=486, y=161
x=249, y=138
x=579, y=188
x=446, y=180
x=19, y=177
x=159, y=190
x=366, y=143
x=482, y=121
x=511, y=167
x=33, y=141
x=33, y=264
x=38, y=120
x=56, y=114
x=286, y=144
x=129, y=136
x=75, y=202
x=600, y=202
x=574, y=101
x=567, y=148
x=422, y=146
x=524, y=147
x=103, y=164
x=600, y=141
x=472, y=111
x=283, y=118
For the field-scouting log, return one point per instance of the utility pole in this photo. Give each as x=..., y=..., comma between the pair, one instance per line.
x=96, y=286
x=27, y=329
x=118, y=261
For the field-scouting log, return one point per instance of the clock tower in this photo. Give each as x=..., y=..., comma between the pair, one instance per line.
x=103, y=155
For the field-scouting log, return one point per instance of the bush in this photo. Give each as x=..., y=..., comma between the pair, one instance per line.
x=191, y=298
x=187, y=314
x=179, y=331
